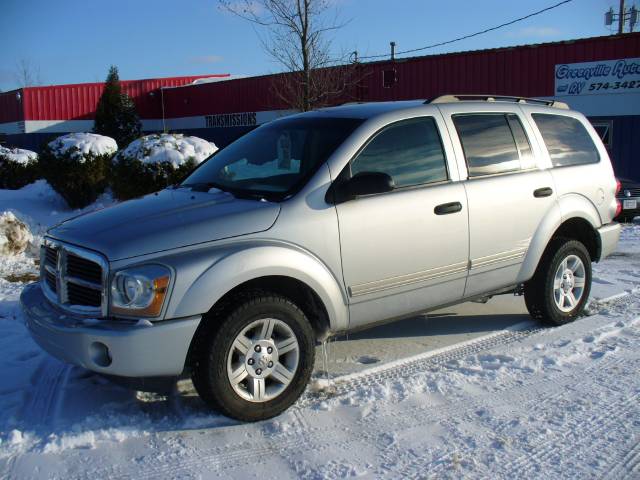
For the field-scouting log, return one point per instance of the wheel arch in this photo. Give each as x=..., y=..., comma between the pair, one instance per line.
x=280, y=269
x=575, y=218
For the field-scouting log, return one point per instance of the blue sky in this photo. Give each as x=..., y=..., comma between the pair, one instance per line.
x=73, y=41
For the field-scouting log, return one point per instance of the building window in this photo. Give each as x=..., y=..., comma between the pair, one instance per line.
x=389, y=78
x=604, y=132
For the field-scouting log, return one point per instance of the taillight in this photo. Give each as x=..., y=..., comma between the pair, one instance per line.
x=618, y=202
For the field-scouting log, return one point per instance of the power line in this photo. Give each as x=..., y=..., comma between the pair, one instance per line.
x=413, y=50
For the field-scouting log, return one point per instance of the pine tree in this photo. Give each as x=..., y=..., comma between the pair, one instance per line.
x=116, y=115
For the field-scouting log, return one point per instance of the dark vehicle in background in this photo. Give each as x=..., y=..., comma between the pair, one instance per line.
x=629, y=197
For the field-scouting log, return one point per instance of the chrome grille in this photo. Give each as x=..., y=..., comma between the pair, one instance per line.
x=83, y=269
x=74, y=278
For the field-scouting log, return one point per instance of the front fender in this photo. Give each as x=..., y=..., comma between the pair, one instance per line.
x=251, y=262
x=567, y=207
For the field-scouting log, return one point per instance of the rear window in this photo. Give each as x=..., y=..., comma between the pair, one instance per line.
x=567, y=141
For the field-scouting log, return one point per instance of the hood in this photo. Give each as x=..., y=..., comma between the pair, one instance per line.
x=165, y=220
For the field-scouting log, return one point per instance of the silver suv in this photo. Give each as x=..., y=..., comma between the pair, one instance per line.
x=324, y=222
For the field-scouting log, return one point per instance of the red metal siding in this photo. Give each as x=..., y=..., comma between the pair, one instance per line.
x=524, y=70
x=241, y=95
x=10, y=109
x=79, y=101
x=527, y=70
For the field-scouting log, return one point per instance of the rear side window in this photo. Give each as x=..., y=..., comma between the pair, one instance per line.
x=410, y=152
x=493, y=143
x=567, y=141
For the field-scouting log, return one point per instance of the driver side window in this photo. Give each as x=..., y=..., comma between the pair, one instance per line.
x=410, y=152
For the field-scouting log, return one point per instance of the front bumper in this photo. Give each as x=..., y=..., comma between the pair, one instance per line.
x=609, y=235
x=108, y=347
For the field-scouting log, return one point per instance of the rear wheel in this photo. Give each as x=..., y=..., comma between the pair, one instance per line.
x=257, y=360
x=560, y=288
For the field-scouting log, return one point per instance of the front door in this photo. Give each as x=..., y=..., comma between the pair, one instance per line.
x=405, y=250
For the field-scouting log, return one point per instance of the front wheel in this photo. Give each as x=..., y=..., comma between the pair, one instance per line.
x=560, y=288
x=258, y=360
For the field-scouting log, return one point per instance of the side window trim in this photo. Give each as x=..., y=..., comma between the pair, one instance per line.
x=510, y=121
x=347, y=173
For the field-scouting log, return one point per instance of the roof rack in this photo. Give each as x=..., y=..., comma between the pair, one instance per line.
x=498, y=98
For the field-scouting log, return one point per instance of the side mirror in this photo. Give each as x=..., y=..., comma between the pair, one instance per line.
x=365, y=183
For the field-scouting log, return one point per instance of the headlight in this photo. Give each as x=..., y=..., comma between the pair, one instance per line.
x=139, y=291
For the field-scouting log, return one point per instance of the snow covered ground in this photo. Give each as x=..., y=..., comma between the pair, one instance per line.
x=507, y=400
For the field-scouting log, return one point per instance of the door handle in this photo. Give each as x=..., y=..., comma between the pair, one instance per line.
x=543, y=192
x=447, y=208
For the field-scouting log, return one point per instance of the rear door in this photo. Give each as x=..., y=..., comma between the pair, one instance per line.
x=507, y=192
x=580, y=164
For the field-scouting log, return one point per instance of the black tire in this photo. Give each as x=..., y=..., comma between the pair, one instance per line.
x=539, y=291
x=209, y=367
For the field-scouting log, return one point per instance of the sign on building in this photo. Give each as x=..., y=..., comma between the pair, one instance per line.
x=225, y=120
x=594, y=78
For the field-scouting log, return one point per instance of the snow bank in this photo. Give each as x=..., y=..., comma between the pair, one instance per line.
x=39, y=207
x=14, y=235
x=175, y=149
x=81, y=144
x=17, y=155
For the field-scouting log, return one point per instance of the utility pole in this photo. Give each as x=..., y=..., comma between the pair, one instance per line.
x=621, y=18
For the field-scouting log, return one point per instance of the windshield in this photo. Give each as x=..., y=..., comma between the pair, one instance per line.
x=276, y=160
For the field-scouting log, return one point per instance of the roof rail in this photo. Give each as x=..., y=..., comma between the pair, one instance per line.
x=499, y=98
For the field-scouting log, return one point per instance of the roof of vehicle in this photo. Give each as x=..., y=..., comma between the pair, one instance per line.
x=371, y=109
x=368, y=109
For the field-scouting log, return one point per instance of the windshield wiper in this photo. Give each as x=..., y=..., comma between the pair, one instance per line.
x=204, y=186
x=236, y=192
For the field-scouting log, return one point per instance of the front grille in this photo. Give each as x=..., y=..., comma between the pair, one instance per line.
x=73, y=277
x=78, y=295
x=635, y=192
x=50, y=278
x=81, y=268
x=51, y=256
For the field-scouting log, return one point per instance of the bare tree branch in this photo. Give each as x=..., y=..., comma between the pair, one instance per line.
x=297, y=40
x=27, y=74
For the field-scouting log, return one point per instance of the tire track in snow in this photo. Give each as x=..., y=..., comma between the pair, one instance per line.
x=527, y=397
x=629, y=467
x=49, y=380
x=579, y=432
x=409, y=367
